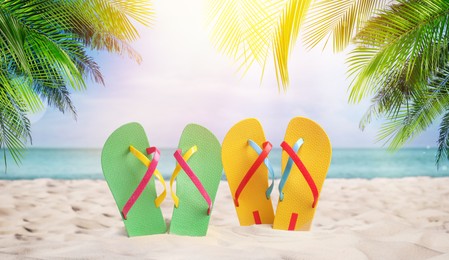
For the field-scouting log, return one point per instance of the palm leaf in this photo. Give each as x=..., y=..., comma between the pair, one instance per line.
x=43, y=54
x=12, y=38
x=410, y=38
x=402, y=59
x=110, y=43
x=22, y=86
x=413, y=120
x=111, y=16
x=15, y=128
x=387, y=101
x=443, y=140
x=286, y=34
x=423, y=107
x=249, y=30
x=340, y=20
x=58, y=97
x=243, y=29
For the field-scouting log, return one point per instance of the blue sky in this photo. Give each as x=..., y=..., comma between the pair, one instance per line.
x=183, y=79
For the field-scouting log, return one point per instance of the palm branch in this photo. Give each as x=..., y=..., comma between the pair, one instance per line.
x=252, y=30
x=340, y=20
x=242, y=29
x=43, y=55
x=15, y=127
x=443, y=139
x=402, y=59
x=409, y=38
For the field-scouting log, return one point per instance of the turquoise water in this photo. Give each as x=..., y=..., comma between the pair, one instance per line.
x=346, y=163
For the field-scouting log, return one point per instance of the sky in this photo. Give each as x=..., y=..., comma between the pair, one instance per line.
x=183, y=79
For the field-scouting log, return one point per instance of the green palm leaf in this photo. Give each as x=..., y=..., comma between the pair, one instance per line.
x=407, y=42
x=443, y=140
x=43, y=55
x=58, y=97
x=114, y=30
x=15, y=128
x=422, y=109
x=414, y=118
x=401, y=58
x=12, y=38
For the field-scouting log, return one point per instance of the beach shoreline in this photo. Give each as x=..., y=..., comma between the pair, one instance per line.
x=405, y=218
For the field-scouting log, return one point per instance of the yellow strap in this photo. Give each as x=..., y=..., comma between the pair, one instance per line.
x=186, y=157
x=143, y=159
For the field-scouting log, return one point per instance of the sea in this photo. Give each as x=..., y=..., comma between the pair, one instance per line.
x=346, y=163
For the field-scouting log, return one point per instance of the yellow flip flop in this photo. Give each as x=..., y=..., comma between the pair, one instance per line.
x=244, y=150
x=306, y=158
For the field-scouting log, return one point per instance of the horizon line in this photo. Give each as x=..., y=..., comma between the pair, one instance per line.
x=336, y=147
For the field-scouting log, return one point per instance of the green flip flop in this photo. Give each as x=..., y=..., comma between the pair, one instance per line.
x=128, y=170
x=200, y=169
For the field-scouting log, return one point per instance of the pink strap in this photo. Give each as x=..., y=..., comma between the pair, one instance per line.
x=143, y=183
x=265, y=151
x=194, y=178
x=302, y=168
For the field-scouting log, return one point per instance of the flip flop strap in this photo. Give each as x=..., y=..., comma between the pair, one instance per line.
x=178, y=168
x=302, y=168
x=267, y=163
x=288, y=169
x=143, y=159
x=266, y=148
x=179, y=158
x=144, y=182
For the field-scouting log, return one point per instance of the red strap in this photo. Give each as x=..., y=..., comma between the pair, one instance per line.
x=256, y=216
x=143, y=183
x=265, y=151
x=303, y=170
x=194, y=178
x=293, y=220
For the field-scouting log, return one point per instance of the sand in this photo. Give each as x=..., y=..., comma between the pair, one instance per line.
x=356, y=219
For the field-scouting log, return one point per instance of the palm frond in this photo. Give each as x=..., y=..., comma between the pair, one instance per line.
x=411, y=121
x=111, y=16
x=43, y=54
x=422, y=108
x=243, y=29
x=58, y=97
x=251, y=30
x=402, y=59
x=46, y=53
x=286, y=34
x=443, y=140
x=12, y=38
x=23, y=90
x=15, y=128
x=109, y=42
x=387, y=101
x=410, y=38
x=340, y=20
x=84, y=63
x=41, y=45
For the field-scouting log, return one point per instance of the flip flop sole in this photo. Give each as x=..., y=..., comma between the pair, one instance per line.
x=190, y=218
x=123, y=173
x=238, y=157
x=295, y=212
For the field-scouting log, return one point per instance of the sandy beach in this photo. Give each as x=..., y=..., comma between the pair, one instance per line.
x=356, y=219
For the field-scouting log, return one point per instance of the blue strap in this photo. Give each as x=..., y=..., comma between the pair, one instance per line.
x=288, y=168
x=267, y=163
